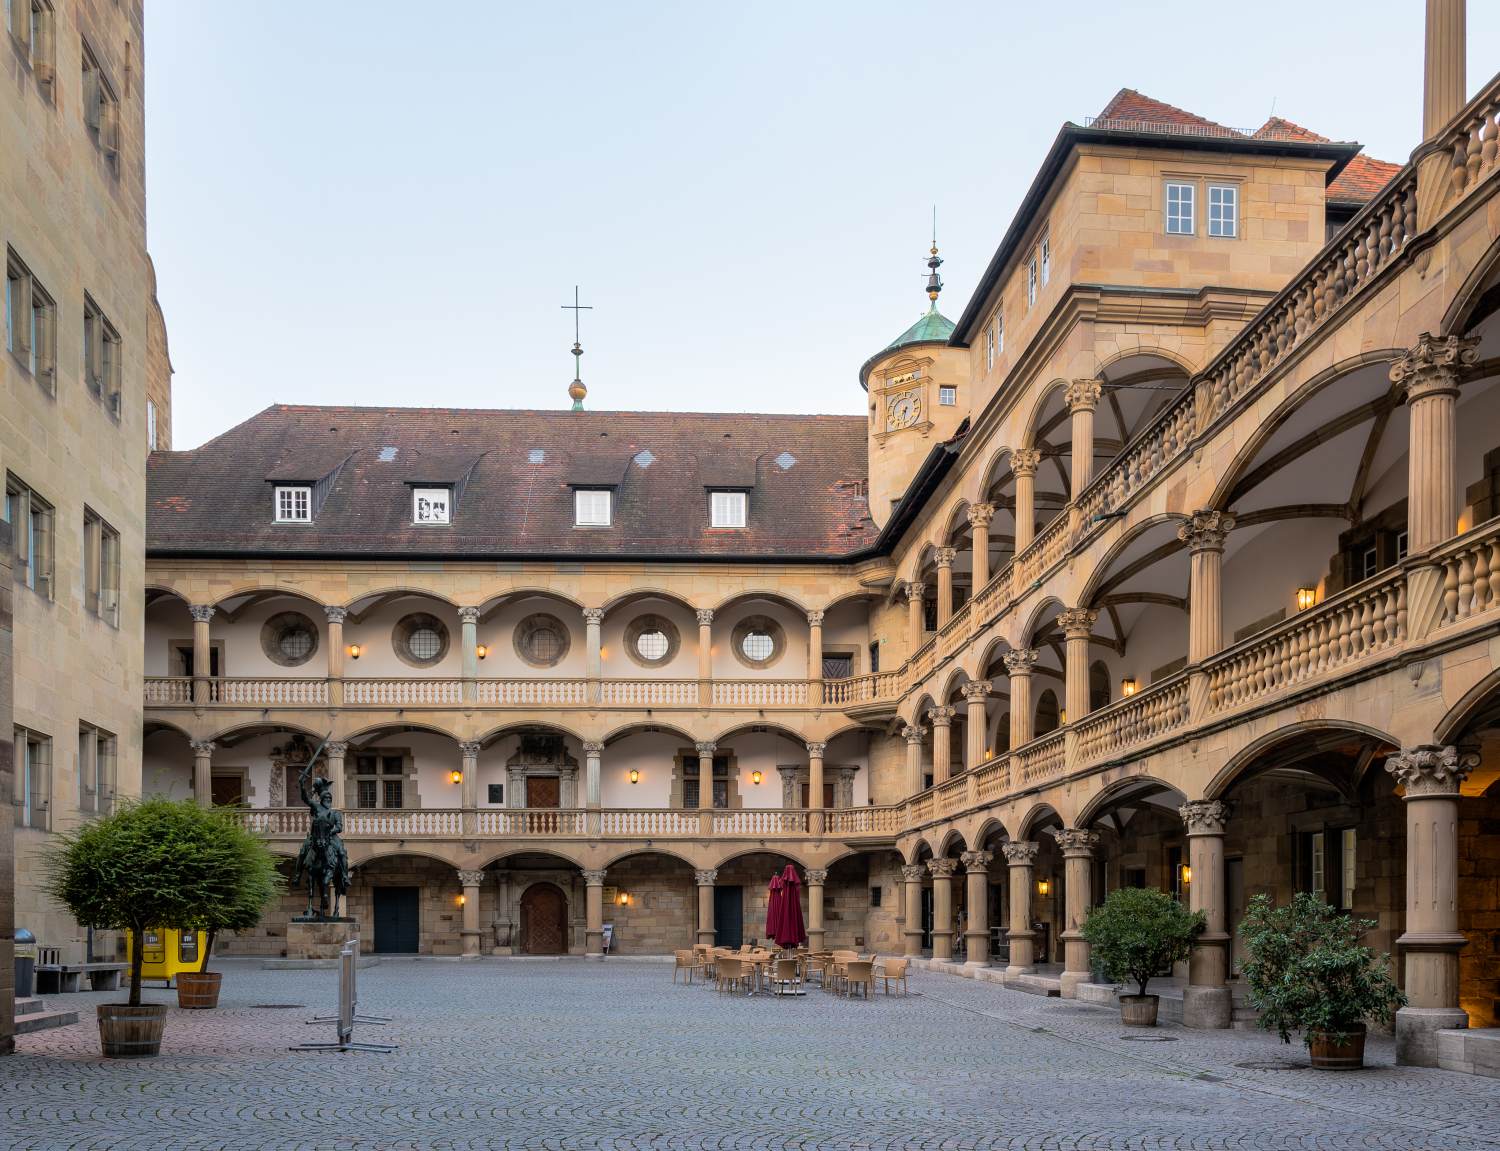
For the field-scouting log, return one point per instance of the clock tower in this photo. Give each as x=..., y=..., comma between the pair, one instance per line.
x=918, y=389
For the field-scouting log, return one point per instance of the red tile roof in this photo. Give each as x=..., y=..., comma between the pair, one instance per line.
x=1128, y=104
x=513, y=474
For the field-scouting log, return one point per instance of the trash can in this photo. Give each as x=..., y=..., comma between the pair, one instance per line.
x=25, y=964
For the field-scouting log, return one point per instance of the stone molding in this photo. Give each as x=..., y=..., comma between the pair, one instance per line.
x=1077, y=622
x=1204, y=816
x=1431, y=768
x=1025, y=461
x=913, y=733
x=706, y=876
x=1076, y=842
x=1434, y=365
x=705, y=616
x=942, y=868
x=471, y=878
x=201, y=612
x=913, y=872
x=1021, y=853
x=336, y=614
x=977, y=861
x=593, y=876
x=817, y=876
x=940, y=717
x=980, y=515
x=468, y=615
x=977, y=690
x=1205, y=530
x=1020, y=661
x=1083, y=395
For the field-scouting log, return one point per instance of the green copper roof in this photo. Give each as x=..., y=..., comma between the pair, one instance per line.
x=932, y=326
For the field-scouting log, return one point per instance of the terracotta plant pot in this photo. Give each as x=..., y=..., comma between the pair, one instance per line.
x=1330, y=1056
x=198, y=990
x=131, y=1032
x=1139, y=1010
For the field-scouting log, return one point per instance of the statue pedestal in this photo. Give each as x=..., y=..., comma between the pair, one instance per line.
x=319, y=938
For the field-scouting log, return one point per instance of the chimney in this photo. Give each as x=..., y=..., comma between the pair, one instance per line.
x=1443, y=88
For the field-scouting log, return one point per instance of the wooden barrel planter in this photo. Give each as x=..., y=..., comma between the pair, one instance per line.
x=198, y=990
x=1327, y=1055
x=1138, y=1010
x=127, y=1032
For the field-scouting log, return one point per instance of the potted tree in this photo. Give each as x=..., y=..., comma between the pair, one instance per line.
x=1307, y=970
x=153, y=864
x=1134, y=934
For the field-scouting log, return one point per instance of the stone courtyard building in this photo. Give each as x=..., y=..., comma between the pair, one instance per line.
x=1173, y=562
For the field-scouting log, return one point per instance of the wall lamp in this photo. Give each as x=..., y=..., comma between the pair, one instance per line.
x=1128, y=687
x=354, y=650
x=635, y=775
x=1306, y=597
x=623, y=899
x=1187, y=875
x=481, y=650
x=756, y=777
x=456, y=777
x=1044, y=887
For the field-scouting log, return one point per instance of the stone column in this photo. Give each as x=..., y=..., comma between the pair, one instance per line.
x=593, y=785
x=201, y=614
x=976, y=692
x=916, y=621
x=816, y=878
x=1018, y=665
x=911, y=875
x=1430, y=775
x=468, y=620
x=1077, y=626
x=203, y=775
x=705, y=881
x=705, y=656
x=977, y=934
x=1078, y=879
x=336, y=751
x=593, y=902
x=1429, y=376
x=468, y=788
x=980, y=516
x=593, y=651
x=471, y=881
x=1204, y=535
x=944, y=558
x=915, y=781
x=706, y=787
x=335, y=617
x=1020, y=857
x=815, y=658
x=815, y=787
x=942, y=906
x=1083, y=399
x=1443, y=88
x=1206, y=1001
x=941, y=719
x=1023, y=465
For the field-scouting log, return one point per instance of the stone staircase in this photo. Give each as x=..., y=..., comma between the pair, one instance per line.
x=34, y=1015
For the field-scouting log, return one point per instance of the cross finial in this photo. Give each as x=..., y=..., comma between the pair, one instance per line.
x=576, y=389
x=934, y=262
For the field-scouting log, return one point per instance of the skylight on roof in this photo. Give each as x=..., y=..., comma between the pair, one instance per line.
x=644, y=458
x=785, y=461
x=536, y=456
x=387, y=454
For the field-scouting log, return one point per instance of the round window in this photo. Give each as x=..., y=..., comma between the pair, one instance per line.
x=758, y=641
x=420, y=640
x=542, y=640
x=758, y=646
x=289, y=639
x=651, y=640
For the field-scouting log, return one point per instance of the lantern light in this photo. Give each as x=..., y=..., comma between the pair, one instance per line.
x=1044, y=887
x=462, y=900
x=481, y=650
x=1128, y=687
x=624, y=899
x=756, y=777
x=1306, y=597
x=635, y=775
x=457, y=777
x=354, y=651
x=1187, y=875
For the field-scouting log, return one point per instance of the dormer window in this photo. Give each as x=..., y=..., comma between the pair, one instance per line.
x=293, y=504
x=726, y=509
x=431, y=505
x=591, y=508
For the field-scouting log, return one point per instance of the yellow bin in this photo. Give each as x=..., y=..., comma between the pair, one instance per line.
x=166, y=951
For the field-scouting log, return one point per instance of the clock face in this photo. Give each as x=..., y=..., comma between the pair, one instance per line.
x=903, y=410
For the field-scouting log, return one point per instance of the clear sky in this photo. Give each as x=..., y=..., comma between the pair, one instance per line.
x=381, y=203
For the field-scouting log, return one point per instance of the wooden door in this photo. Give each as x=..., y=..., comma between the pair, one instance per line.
x=544, y=919
x=397, y=920
x=228, y=790
x=828, y=803
x=729, y=915
x=543, y=791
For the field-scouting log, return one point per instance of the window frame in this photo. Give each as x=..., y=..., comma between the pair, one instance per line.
x=100, y=104
x=293, y=489
x=30, y=322
x=96, y=773
x=151, y=436
x=951, y=392
x=1031, y=273
x=34, y=541
x=989, y=344
x=1044, y=250
x=735, y=497
x=581, y=496
x=379, y=778
x=431, y=492
x=1233, y=192
x=103, y=355
x=32, y=799
x=1168, y=215
x=101, y=568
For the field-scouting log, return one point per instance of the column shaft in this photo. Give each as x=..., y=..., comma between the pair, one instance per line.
x=203, y=778
x=979, y=521
x=335, y=753
x=201, y=614
x=1206, y=1001
x=976, y=723
x=945, y=559
x=705, y=880
x=593, y=905
x=942, y=907
x=593, y=651
x=816, y=878
x=335, y=655
x=942, y=743
x=1021, y=858
x=815, y=658
x=1023, y=464
x=1078, y=880
x=916, y=622
x=977, y=931
x=472, y=883
x=815, y=787
x=911, y=876
x=1443, y=84
x=705, y=656
x=915, y=776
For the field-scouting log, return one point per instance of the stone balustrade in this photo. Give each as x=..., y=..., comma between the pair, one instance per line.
x=402, y=692
x=269, y=692
x=1471, y=577
x=648, y=692
x=759, y=693
x=1133, y=720
x=169, y=689
x=1471, y=142
x=1042, y=758
x=531, y=692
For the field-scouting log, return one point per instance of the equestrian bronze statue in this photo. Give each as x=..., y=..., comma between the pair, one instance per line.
x=322, y=858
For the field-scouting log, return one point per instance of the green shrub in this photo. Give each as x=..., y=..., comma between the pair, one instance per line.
x=1139, y=931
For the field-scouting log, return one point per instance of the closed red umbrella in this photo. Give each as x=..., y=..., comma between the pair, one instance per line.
x=773, y=907
x=790, y=930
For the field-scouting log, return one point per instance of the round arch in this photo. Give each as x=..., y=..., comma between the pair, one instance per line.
x=261, y=727
x=395, y=593
x=1173, y=357
x=953, y=839
x=376, y=728
x=509, y=595
x=635, y=595
x=742, y=850
x=1123, y=789
x=956, y=522
x=1035, y=816
x=633, y=852
x=767, y=594
x=158, y=590
x=1033, y=419
x=1477, y=705
x=1034, y=620
x=1476, y=298
x=636, y=726
x=920, y=850
x=511, y=727
x=998, y=465
x=760, y=726
x=358, y=858
x=1117, y=548
x=1313, y=733
x=990, y=827
x=260, y=591
x=547, y=848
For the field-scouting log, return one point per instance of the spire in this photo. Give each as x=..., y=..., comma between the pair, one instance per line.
x=576, y=389
x=934, y=262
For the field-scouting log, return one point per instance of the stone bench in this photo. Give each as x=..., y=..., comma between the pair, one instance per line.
x=1475, y=1052
x=59, y=978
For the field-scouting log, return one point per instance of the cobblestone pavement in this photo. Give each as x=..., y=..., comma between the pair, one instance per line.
x=567, y=1054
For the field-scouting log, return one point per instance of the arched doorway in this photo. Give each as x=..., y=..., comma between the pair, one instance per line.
x=544, y=920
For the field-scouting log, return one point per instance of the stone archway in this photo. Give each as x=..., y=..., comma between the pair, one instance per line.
x=544, y=920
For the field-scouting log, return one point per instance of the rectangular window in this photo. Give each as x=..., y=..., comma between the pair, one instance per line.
x=1317, y=875
x=989, y=353
x=1046, y=253
x=101, y=107
x=591, y=508
x=102, y=358
x=380, y=780
x=1223, y=210
x=293, y=505
x=999, y=333
x=1179, y=209
x=101, y=568
x=1369, y=562
x=727, y=509
x=30, y=22
x=96, y=769
x=33, y=787
x=1401, y=545
x=1031, y=281
x=431, y=505
x=948, y=396
x=1348, y=871
x=151, y=425
x=30, y=321
x=31, y=522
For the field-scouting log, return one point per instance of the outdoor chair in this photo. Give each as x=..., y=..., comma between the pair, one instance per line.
x=859, y=973
x=892, y=971
x=686, y=961
x=786, y=977
x=732, y=975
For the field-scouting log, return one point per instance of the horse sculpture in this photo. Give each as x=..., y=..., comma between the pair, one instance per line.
x=322, y=856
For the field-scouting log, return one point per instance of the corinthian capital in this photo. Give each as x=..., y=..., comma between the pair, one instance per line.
x=817, y=876
x=1205, y=530
x=1083, y=395
x=202, y=746
x=814, y=619
x=980, y=515
x=1431, y=768
x=708, y=747
x=977, y=690
x=912, y=733
x=1020, y=661
x=1077, y=622
x=593, y=876
x=201, y=612
x=816, y=750
x=468, y=615
x=1020, y=854
x=1075, y=841
x=1025, y=461
x=942, y=868
x=944, y=557
x=336, y=614
x=977, y=860
x=915, y=589
x=1434, y=365
x=706, y=877
x=913, y=872
x=705, y=616
x=469, y=749
x=941, y=716
x=471, y=878
x=1204, y=816
x=592, y=746
x=593, y=615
